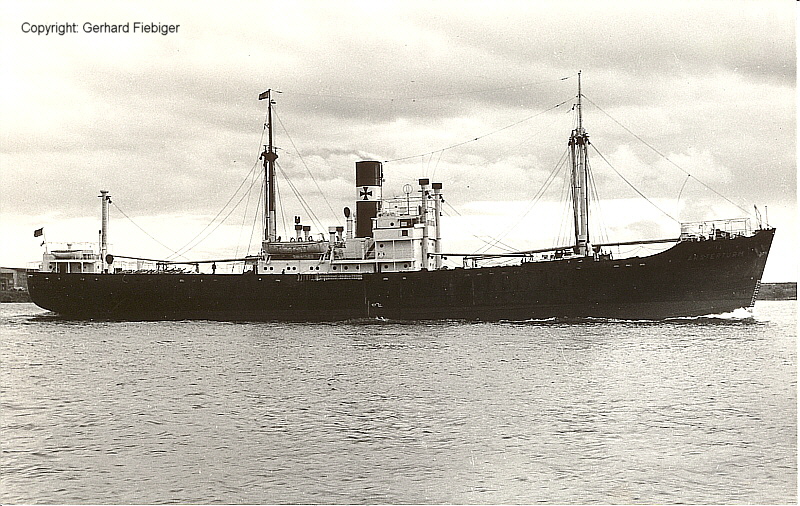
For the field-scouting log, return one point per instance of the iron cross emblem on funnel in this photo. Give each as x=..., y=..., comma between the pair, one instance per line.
x=366, y=193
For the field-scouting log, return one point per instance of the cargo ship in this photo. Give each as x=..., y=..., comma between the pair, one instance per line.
x=388, y=263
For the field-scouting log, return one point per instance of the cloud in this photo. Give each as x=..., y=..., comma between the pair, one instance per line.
x=457, y=91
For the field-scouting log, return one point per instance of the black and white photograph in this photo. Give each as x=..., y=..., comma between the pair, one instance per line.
x=398, y=252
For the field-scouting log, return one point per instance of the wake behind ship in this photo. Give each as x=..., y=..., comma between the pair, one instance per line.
x=388, y=263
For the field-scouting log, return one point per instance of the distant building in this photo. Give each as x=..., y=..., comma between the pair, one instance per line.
x=13, y=278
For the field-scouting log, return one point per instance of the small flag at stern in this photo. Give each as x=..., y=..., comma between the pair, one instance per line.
x=38, y=232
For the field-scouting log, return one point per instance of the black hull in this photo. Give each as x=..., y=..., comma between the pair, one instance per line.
x=689, y=279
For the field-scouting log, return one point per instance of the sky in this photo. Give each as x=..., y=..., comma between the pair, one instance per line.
x=691, y=103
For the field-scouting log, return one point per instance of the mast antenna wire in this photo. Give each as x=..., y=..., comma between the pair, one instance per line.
x=659, y=153
x=482, y=136
x=634, y=188
x=333, y=213
x=143, y=230
x=424, y=97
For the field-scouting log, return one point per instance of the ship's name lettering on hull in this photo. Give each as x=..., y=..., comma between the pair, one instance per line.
x=716, y=256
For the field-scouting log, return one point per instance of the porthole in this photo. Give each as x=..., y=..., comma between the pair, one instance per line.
x=345, y=267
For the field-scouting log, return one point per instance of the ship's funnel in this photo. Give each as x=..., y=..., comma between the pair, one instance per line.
x=369, y=179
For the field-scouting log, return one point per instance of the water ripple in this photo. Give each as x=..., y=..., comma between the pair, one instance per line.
x=696, y=410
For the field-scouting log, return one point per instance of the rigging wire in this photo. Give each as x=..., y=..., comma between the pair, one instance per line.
x=537, y=196
x=280, y=206
x=180, y=251
x=302, y=160
x=244, y=217
x=241, y=227
x=631, y=185
x=185, y=248
x=565, y=229
x=143, y=230
x=255, y=219
x=481, y=136
x=481, y=238
x=433, y=174
x=189, y=246
x=602, y=228
x=222, y=220
x=678, y=200
x=666, y=158
x=300, y=198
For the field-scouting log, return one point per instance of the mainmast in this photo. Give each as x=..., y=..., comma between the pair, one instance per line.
x=578, y=143
x=269, y=155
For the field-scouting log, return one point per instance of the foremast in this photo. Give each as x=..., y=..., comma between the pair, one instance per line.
x=578, y=142
x=269, y=155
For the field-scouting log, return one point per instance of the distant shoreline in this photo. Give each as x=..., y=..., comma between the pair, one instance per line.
x=778, y=291
x=768, y=291
x=14, y=296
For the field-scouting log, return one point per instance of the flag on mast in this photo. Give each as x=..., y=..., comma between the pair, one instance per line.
x=38, y=232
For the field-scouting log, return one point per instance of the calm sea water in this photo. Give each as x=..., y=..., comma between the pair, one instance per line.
x=684, y=411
